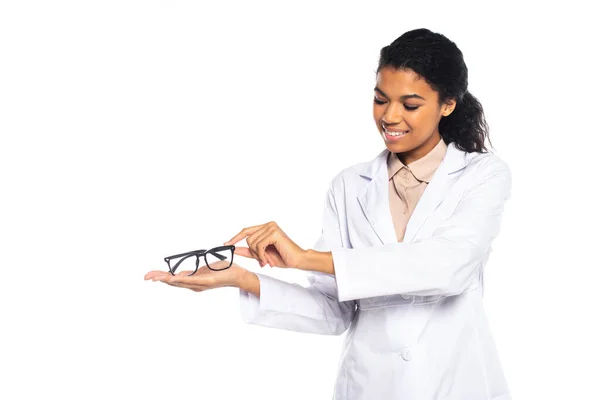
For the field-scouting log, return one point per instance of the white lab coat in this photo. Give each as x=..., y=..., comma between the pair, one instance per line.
x=413, y=312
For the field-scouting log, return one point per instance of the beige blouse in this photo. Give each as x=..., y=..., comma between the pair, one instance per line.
x=408, y=182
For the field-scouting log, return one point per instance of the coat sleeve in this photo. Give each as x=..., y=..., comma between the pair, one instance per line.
x=444, y=263
x=312, y=309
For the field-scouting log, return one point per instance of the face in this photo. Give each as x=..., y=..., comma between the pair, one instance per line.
x=405, y=103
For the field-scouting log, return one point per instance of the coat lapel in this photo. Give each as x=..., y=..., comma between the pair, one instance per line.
x=374, y=199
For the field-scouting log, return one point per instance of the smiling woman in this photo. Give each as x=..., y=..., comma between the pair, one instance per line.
x=415, y=100
x=406, y=282
x=408, y=122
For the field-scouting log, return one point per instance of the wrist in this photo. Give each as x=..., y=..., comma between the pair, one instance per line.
x=240, y=277
x=248, y=281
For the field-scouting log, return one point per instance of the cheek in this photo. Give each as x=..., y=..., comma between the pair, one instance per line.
x=377, y=114
x=418, y=119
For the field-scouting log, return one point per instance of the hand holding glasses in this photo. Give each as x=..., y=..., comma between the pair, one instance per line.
x=267, y=243
x=216, y=259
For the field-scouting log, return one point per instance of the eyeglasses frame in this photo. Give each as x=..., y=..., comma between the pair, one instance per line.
x=198, y=254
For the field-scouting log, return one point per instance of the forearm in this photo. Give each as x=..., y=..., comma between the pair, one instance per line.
x=292, y=306
x=318, y=261
x=249, y=282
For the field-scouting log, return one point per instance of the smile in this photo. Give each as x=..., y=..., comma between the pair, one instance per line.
x=394, y=135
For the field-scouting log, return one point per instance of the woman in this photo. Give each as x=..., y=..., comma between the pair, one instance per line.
x=409, y=291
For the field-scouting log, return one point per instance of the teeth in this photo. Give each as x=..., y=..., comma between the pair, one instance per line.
x=396, y=133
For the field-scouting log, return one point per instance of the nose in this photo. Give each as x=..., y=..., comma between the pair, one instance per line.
x=392, y=115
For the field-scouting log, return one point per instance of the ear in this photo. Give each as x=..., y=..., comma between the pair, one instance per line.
x=448, y=107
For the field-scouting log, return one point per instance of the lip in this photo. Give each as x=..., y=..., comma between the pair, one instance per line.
x=394, y=130
x=389, y=138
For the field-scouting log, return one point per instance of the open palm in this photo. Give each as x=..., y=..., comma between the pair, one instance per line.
x=203, y=279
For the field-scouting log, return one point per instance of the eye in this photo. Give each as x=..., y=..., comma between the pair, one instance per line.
x=408, y=108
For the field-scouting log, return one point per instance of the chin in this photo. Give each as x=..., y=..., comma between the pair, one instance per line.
x=401, y=146
x=398, y=149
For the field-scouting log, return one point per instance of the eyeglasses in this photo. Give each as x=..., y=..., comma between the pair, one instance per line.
x=222, y=255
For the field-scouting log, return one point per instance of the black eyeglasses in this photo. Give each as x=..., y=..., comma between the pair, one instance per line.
x=223, y=255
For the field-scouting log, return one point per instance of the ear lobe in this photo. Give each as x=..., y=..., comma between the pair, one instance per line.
x=449, y=108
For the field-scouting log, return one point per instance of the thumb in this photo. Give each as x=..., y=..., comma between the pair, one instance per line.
x=243, y=251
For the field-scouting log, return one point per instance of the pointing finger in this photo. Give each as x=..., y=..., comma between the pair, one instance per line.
x=244, y=232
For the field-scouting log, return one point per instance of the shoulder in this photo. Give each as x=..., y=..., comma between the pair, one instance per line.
x=361, y=172
x=350, y=177
x=486, y=176
x=485, y=165
x=473, y=167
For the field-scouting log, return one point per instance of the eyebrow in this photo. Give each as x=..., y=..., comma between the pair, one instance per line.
x=406, y=96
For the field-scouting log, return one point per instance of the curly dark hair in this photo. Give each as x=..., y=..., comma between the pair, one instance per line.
x=440, y=62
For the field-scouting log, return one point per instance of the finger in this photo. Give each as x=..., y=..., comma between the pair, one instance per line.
x=163, y=277
x=157, y=275
x=153, y=274
x=261, y=244
x=243, y=233
x=243, y=251
x=195, y=288
x=257, y=258
x=274, y=256
x=270, y=260
x=202, y=280
x=254, y=245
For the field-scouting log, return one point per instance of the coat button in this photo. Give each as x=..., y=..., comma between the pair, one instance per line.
x=405, y=353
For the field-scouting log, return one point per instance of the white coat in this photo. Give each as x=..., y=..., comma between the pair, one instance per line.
x=412, y=310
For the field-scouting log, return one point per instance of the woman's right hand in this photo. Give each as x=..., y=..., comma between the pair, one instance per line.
x=203, y=279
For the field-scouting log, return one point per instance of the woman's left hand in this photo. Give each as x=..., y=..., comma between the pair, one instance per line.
x=268, y=244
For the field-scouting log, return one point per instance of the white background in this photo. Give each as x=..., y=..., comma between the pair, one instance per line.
x=131, y=130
